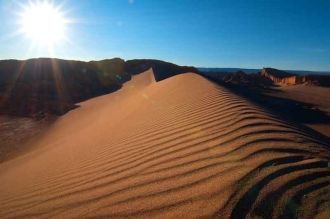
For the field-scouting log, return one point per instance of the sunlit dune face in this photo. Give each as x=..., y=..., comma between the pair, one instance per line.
x=43, y=23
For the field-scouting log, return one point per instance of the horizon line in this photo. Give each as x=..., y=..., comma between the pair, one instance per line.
x=198, y=67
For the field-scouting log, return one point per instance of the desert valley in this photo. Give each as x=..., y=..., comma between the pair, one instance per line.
x=161, y=141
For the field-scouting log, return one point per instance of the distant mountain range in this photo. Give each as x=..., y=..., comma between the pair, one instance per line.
x=266, y=77
x=251, y=71
x=229, y=70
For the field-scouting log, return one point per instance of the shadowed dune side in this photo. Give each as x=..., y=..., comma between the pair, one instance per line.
x=183, y=146
x=301, y=104
x=162, y=69
x=16, y=132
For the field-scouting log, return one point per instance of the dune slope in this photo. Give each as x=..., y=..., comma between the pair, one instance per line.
x=179, y=147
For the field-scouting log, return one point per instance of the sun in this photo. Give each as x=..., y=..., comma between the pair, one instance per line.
x=43, y=23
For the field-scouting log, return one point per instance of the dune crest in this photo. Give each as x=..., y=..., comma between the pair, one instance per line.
x=183, y=146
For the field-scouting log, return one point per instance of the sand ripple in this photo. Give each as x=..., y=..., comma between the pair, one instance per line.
x=180, y=147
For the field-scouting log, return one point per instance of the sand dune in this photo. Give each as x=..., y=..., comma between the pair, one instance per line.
x=179, y=147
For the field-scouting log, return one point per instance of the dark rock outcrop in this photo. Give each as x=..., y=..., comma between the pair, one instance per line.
x=278, y=76
x=240, y=77
x=37, y=86
x=272, y=72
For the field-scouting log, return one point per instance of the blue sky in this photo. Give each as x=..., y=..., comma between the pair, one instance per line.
x=285, y=34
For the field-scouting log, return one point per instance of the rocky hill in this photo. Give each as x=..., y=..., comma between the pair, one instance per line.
x=242, y=78
x=37, y=87
x=282, y=77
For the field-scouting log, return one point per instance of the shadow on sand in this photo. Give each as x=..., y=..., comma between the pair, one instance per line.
x=289, y=110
